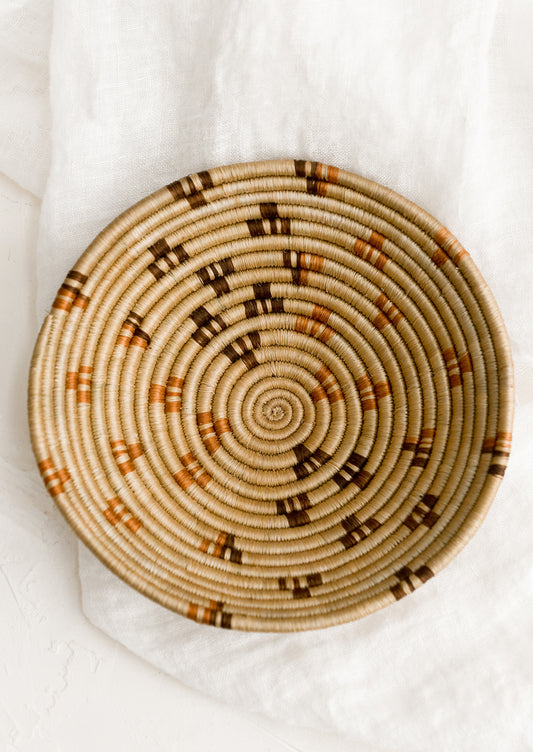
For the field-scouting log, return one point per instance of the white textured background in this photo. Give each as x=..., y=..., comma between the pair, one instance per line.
x=447, y=119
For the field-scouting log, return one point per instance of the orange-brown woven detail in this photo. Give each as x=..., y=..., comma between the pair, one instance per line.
x=273, y=396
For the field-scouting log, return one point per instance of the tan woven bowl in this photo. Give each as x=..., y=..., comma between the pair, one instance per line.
x=273, y=396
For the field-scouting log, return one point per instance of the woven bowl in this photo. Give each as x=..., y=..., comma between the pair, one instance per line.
x=273, y=396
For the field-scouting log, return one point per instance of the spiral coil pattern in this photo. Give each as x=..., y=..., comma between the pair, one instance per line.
x=273, y=396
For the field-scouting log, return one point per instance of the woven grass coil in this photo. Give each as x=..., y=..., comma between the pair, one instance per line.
x=273, y=396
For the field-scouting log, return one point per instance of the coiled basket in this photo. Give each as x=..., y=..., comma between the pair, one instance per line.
x=273, y=396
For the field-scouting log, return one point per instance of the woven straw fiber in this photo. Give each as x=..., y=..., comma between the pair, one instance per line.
x=273, y=396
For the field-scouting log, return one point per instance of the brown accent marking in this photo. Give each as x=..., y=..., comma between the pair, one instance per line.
x=449, y=354
x=201, y=316
x=180, y=252
x=249, y=360
x=321, y=314
x=285, y=226
x=488, y=445
x=424, y=573
x=135, y=450
x=63, y=300
x=297, y=518
x=176, y=189
x=319, y=330
x=497, y=470
x=192, y=611
x=422, y=513
x=82, y=301
x=157, y=393
x=71, y=380
x=363, y=382
x=301, y=592
x=140, y=339
x=84, y=384
x=357, y=530
x=81, y=278
x=377, y=240
x=312, y=186
x=405, y=573
x=351, y=522
x=350, y=470
x=301, y=452
x=314, y=580
x=439, y=258
x=255, y=227
x=398, y=591
x=430, y=519
x=442, y=235
x=196, y=199
x=118, y=512
x=410, y=444
x=269, y=210
x=203, y=479
x=366, y=393
x=391, y=311
x=311, y=261
x=221, y=425
x=299, y=168
x=461, y=253
x=276, y=226
x=53, y=480
x=380, y=321
x=311, y=463
x=155, y=270
x=205, y=179
x=184, y=478
x=220, y=286
x=231, y=353
x=63, y=475
x=173, y=394
x=382, y=389
x=212, y=443
x=318, y=393
x=362, y=479
x=333, y=174
x=450, y=245
x=159, y=249
x=465, y=363
x=224, y=543
x=381, y=260
x=370, y=253
x=262, y=291
x=321, y=456
x=452, y=367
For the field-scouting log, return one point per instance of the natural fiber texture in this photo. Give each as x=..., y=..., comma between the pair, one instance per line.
x=273, y=396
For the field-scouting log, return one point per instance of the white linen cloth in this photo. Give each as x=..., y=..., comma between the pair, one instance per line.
x=431, y=99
